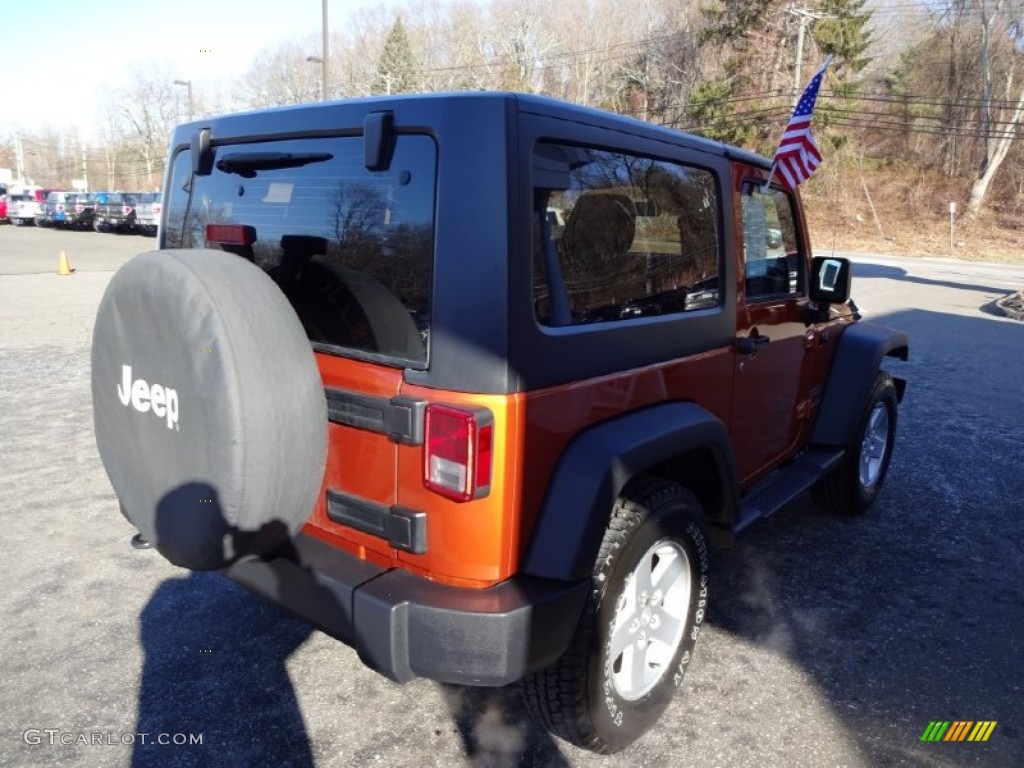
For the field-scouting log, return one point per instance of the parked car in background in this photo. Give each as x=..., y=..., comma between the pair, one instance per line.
x=26, y=205
x=147, y=212
x=52, y=210
x=114, y=212
x=3, y=208
x=81, y=211
x=67, y=209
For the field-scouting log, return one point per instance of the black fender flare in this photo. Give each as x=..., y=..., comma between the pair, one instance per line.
x=596, y=466
x=856, y=363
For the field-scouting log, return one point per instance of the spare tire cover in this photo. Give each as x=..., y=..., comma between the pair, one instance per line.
x=209, y=409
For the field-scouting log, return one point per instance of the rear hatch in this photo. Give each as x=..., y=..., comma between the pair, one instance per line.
x=352, y=249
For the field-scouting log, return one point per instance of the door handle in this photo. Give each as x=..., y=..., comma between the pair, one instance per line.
x=749, y=345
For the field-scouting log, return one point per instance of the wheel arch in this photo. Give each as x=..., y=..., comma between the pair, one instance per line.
x=858, y=359
x=679, y=441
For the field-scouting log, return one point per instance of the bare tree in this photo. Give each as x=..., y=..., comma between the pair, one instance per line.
x=519, y=43
x=979, y=189
x=282, y=75
x=997, y=18
x=146, y=108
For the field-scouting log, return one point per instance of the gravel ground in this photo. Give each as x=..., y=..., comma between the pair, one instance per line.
x=828, y=643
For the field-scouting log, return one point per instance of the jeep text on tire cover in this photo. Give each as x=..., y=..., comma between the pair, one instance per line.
x=143, y=397
x=471, y=381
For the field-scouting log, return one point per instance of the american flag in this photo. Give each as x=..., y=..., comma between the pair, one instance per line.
x=797, y=156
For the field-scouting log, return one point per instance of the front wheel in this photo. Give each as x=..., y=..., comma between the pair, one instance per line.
x=639, y=627
x=854, y=485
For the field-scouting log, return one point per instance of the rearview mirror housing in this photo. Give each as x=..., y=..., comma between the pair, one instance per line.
x=830, y=280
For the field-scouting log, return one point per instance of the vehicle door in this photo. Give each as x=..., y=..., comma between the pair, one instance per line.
x=773, y=398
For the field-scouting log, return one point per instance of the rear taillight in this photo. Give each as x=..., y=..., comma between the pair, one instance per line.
x=230, y=234
x=459, y=447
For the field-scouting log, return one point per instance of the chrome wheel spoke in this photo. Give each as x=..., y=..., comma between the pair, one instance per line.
x=638, y=666
x=666, y=628
x=643, y=576
x=622, y=636
x=669, y=569
x=874, y=445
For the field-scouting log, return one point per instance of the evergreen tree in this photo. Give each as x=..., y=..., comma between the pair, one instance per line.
x=844, y=33
x=397, y=69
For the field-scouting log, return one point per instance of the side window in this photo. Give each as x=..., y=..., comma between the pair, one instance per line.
x=771, y=252
x=618, y=236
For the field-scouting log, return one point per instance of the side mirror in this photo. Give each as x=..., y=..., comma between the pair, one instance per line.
x=830, y=281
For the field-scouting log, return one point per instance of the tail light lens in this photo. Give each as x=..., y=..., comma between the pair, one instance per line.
x=459, y=451
x=230, y=234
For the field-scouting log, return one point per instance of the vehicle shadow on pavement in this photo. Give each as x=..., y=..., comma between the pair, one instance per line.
x=868, y=271
x=496, y=729
x=214, y=656
x=911, y=612
x=215, y=665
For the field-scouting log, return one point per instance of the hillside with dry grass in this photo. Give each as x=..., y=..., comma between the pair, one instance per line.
x=906, y=212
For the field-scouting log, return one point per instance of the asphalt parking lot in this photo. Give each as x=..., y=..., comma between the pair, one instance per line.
x=828, y=642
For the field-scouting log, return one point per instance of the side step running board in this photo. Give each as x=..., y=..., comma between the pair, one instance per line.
x=780, y=488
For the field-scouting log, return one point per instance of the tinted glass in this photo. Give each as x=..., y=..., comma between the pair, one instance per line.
x=350, y=248
x=619, y=236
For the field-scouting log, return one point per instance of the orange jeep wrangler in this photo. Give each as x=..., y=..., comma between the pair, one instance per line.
x=471, y=381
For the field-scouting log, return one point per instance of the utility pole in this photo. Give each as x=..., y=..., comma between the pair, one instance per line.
x=187, y=84
x=19, y=158
x=805, y=18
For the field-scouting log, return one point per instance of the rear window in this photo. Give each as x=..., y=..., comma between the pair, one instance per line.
x=352, y=249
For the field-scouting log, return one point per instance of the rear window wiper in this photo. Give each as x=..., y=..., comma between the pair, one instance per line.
x=245, y=164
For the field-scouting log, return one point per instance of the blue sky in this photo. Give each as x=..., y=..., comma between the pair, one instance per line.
x=60, y=56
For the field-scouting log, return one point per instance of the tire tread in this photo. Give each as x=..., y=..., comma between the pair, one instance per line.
x=557, y=695
x=839, y=491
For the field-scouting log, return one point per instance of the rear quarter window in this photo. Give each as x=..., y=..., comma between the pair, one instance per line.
x=350, y=248
x=619, y=236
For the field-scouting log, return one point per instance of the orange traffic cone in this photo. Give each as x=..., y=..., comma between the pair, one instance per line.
x=64, y=265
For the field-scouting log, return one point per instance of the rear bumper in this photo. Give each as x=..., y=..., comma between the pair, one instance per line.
x=405, y=626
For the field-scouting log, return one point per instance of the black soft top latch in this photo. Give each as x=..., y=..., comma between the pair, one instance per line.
x=202, y=153
x=378, y=140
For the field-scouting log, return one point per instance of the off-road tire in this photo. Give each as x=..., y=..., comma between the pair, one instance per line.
x=576, y=698
x=843, y=491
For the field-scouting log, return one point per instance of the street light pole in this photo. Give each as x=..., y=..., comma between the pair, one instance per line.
x=187, y=84
x=318, y=60
x=323, y=71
